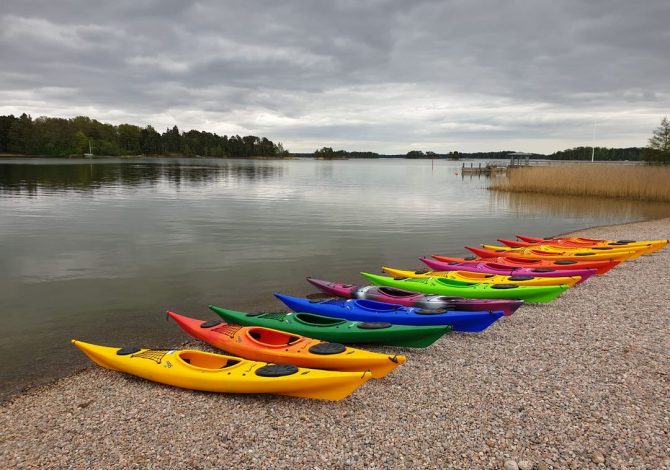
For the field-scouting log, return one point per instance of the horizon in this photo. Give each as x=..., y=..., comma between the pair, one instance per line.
x=382, y=77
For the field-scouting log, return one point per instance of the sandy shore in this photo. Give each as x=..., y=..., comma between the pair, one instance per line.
x=582, y=382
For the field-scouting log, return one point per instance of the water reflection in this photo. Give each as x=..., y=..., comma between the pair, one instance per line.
x=533, y=204
x=65, y=176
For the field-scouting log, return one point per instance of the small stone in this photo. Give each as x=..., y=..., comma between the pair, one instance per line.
x=541, y=466
x=490, y=442
x=598, y=457
x=510, y=465
x=525, y=465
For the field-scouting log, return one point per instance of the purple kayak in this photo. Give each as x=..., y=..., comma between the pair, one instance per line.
x=414, y=299
x=494, y=268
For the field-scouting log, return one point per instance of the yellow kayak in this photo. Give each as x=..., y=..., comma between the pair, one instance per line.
x=638, y=250
x=582, y=254
x=578, y=242
x=484, y=278
x=199, y=370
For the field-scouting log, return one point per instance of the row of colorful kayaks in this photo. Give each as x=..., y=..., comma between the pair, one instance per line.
x=303, y=353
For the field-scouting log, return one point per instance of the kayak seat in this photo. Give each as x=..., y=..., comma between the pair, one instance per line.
x=432, y=311
x=276, y=370
x=327, y=348
x=127, y=350
x=374, y=325
x=565, y=261
x=521, y=278
x=209, y=324
x=543, y=270
x=504, y=286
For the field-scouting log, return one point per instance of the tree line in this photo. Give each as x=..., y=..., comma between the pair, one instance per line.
x=61, y=137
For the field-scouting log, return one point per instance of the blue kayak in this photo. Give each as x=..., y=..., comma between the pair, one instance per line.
x=372, y=311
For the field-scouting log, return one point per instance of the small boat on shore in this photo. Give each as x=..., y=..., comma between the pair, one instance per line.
x=493, y=251
x=371, y=310
x=576, y=242
x=624, y=253
x=485, y=278
x=504, y=270
x=442, y=286
x=406, y=298
x=337, y=329
x=278, y=347
x=514, y=262
x=199, y=370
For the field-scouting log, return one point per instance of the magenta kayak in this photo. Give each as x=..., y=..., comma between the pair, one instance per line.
x=414, y=299
x=494, y=268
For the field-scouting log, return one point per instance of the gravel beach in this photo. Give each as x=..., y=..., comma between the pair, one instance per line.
x=582, y=382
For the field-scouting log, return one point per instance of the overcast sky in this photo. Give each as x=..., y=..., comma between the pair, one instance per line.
x=383, y=75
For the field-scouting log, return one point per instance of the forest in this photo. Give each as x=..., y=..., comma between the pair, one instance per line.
x=59, y=137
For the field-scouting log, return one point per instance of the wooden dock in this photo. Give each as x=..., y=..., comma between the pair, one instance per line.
x=486, y=169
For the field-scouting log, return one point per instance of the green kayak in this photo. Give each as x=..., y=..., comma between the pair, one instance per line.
x=337, y=330
x=451, y=287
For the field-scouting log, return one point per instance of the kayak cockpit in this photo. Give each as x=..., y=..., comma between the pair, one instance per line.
x=272, y=338
x=317, y=320
x=391, y=292
x=453, y=282
x=474, y=275
x=207, y=361
x=376, y=306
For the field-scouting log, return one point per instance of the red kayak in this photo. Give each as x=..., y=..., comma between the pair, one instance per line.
x=405, y=298
x=500, y=270
x=601, y=267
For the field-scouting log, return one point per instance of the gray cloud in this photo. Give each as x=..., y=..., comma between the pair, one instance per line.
x=377, y=75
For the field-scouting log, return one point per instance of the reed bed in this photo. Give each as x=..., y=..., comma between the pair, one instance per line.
x=636, y=182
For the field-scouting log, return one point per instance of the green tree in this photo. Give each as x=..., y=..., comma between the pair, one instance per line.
x=415, y=154
x=80, y=143
x=325, y=152
x=659, y=144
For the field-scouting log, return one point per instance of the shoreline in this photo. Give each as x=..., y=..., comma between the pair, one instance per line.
x=559, y=384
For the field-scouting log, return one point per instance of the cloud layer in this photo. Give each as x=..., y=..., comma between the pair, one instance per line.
x=381, y=75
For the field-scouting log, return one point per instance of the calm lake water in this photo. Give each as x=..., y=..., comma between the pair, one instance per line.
x=98, y=250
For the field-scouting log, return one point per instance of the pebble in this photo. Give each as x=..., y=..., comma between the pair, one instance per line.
x=557, y=383
x=525, y=465
x=597, y=457
x=511, y=465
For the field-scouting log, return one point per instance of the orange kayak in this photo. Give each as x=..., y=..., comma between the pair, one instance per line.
x=268, y=345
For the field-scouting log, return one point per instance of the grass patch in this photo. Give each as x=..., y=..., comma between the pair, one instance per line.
x=635, y=182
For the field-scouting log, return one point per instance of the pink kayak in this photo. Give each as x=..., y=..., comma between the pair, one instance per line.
x=414, y=299
x=500, y=269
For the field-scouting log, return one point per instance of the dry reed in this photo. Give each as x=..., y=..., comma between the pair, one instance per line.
x=636, y=182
